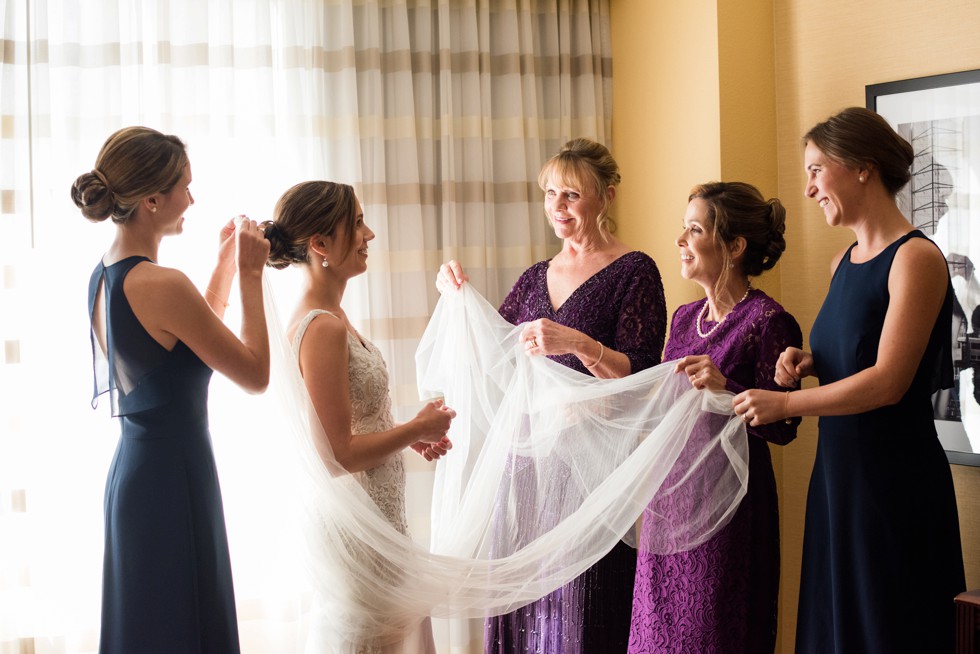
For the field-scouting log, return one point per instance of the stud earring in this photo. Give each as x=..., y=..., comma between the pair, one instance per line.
x=861, y=179
x=325, y=264
x=153, y=209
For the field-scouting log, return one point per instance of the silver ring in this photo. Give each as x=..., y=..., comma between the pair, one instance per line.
x=745, y=418
x=534, y=342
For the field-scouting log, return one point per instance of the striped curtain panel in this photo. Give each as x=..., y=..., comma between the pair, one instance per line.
x=439, y=113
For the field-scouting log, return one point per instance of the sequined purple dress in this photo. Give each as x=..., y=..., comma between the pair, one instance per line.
x=721, y=596
x=623, y=307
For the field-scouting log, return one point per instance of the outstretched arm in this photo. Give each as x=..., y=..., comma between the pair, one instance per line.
x=917, y=289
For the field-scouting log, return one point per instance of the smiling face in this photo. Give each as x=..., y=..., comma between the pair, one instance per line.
x=572, y=212
x=347, y=256
x=172, y=204
x=832, y=185
x=702, y=256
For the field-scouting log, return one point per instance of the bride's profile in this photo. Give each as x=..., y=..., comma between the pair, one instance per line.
x=319, y=227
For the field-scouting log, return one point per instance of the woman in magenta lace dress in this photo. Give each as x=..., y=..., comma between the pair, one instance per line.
x=597, y=307
x=721, y=595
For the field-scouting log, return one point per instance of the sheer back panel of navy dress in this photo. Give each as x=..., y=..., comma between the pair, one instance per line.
x=167, y=584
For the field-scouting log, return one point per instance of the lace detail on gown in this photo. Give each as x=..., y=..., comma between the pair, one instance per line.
x=385, y=485
x=722, y=595
x=370, y=413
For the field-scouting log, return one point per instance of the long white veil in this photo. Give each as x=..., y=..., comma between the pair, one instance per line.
x=550, y=468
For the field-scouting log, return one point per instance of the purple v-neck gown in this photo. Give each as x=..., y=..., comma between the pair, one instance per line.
x=622, y=306
x=721, y=596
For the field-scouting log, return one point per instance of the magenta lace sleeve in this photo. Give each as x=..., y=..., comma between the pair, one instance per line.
x=779, y=331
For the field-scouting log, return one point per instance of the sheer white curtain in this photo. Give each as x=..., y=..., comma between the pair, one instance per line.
x=439, y=113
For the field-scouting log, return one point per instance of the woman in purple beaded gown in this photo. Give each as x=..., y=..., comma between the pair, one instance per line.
x=721, y=595
x=598, y=307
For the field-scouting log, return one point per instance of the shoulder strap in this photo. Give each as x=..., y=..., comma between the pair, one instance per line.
x=304, y=324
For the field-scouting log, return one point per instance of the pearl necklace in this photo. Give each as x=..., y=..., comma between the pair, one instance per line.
x=704, y=312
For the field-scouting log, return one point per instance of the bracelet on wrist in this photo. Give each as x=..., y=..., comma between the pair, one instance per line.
x=217, y=297
x=602, y=351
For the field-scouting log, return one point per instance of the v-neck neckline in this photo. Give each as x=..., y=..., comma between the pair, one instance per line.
x=556, y=310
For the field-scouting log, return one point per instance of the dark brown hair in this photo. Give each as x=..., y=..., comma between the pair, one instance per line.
x=738, y=209
x=587, y=166
x=858, y=137
x=306, y=210
x=134, y=163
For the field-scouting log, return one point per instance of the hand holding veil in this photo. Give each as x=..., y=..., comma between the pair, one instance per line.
x=550, y=468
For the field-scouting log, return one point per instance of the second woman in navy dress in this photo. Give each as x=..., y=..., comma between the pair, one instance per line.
x=167, y=585
x=881, y=552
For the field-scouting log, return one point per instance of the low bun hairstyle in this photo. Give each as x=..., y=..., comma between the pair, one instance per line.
x=306, y=210
x=585, y=165
x=858, y=137
x=738, y=209
x=134, y=163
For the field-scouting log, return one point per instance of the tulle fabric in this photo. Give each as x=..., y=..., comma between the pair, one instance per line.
x=550, y=469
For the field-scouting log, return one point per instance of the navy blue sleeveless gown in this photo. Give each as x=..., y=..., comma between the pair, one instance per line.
x=881, y=549
x=167, y=584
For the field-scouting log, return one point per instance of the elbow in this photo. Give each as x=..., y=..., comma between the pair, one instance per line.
x=257, y=383
x=258, y=389
x=892, y=397
x=892, y=394
x=887, y=387
x=349, y=463
x=338, y=450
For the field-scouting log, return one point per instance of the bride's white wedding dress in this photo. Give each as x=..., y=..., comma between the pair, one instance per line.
x=385, y=484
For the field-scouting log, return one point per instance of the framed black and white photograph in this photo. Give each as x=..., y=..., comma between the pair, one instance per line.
x=940, y=117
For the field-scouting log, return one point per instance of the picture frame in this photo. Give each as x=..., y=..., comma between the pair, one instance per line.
x=940, y=116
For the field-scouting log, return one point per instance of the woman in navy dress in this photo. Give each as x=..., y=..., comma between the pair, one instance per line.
x=167, y=584
x=881, y=552
x=598, y=307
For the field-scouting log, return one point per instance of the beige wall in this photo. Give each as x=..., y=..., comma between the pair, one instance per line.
x=665, y=143
x=725, y=89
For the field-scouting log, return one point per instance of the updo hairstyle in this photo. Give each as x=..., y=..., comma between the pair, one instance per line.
x=133, y=164
x=858, y=137
x=307, y=210
x=587, y=166
x=738, y=209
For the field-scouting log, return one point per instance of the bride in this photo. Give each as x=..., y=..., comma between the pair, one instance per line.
x=319, y=227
